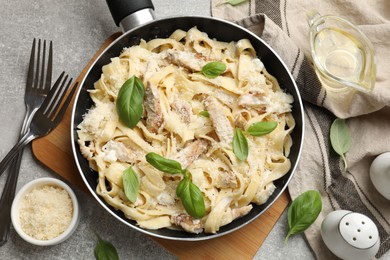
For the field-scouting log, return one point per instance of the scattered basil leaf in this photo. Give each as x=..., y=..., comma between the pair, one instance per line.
x=191, y=197
x=104, y=250
x=204, y=113
x=240, y=145
x=130, y=184
x=340, y=139
x=129, y=101
x=162, y=164
x=303, y=211
x=262, y=128
x=232, y=2
x=235, y=2
x=213, y=69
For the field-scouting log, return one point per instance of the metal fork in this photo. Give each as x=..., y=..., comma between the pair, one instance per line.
x=37, y=87
x=47, y=117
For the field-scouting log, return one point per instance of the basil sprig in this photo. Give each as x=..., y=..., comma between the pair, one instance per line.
x=129, y=101
x=188, y=192
x=340, y=139
x=240, y=145
x=262, y=128
x=213, y=69
x=130, y=184
x=104, y=250
x=303, y=211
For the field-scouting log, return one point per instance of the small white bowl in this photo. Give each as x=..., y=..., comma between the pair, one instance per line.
x=26, y=189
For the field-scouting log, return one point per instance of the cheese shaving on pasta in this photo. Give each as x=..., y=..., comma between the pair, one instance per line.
x=175, y=93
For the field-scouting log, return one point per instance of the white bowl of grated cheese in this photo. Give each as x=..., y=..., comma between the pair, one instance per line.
x=45, y=212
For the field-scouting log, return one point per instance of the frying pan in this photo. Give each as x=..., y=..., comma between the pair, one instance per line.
x=135, y=17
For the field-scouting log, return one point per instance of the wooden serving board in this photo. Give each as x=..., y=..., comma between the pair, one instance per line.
x=54, y=151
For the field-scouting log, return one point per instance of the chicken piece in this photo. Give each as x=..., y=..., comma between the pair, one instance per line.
x=151, y=68
x=234, y=213
x=186, y=59
x=192, y=152
x=226, y=179
x=251, y=100
x=240, y=121
x=240, y=212
x=188, y=223
x=264, y=193
x=117, y=151
x=153, y=108
x=225, y=97
x=165, y=199
x=274, y=102
x=254, y=101
x=183, y=109
x=221, y=123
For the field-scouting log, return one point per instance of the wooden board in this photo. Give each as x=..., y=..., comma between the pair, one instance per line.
x=54, y=151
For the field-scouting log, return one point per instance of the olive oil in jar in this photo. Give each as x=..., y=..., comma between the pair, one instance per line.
x=343, y=56
x=340, y=54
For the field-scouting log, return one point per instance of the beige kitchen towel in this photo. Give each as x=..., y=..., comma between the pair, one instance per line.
x=282, y=24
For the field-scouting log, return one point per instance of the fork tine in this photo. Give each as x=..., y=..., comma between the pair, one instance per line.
x=49, y=68
x=54, y=102
x=58, y=100
x=61, y=112
x=43, y=65
x=30, y=74
x=52, y=93
x=36, y=79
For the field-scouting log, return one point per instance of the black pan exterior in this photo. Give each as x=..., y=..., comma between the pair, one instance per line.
x=222, y=31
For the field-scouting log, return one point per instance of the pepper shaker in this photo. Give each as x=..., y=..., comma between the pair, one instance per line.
x=380, y=174
x=350, y=235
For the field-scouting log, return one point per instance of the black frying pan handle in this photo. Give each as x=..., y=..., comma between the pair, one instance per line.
x=121, y=8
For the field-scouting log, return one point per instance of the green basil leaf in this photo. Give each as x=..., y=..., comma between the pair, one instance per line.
x=235, y=2
x=162, y=164
x=240, y=145
x=204, y=113
x=183, y=184
x=213, y=69
x=105, y=250
x=129, y=101
x=340, y=139
x=191, y=197
x=130, y=184
x=303, y=211
x=262, y=128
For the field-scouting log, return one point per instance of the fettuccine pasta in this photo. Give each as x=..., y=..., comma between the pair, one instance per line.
x=173, y=126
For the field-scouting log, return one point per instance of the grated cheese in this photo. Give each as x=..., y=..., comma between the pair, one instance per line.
x=45, y=212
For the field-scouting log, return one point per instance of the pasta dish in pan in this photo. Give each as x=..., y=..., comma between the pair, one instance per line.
x=214, y=126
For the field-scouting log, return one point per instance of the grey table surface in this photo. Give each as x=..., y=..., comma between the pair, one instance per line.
x=77, y=29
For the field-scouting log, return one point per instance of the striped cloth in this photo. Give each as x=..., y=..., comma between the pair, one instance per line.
x=283, y=25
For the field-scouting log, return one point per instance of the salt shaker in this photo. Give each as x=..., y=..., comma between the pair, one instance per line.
x=380, y=174
x=350, y=235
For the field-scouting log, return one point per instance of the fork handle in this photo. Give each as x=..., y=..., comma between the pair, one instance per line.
x=7, y=198
x=10, y=184
x=27, y=138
